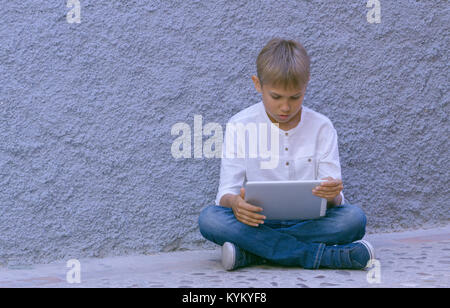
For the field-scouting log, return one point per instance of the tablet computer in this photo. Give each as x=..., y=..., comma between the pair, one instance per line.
x=286, y=200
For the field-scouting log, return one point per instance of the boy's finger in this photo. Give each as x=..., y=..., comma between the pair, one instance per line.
x=326, y=193
x=322, y=193
x=251, y=224
x=328, y=190
x=245, y=221
x=252, y=208
x=252, y=215
x=330, y=186
x=242, y=193
x=245, y=217
x=331, y=183
x=252, y=220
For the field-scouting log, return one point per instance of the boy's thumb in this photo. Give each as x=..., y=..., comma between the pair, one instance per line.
x=242, y=193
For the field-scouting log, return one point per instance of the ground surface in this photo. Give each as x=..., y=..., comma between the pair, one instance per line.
x=418, y=258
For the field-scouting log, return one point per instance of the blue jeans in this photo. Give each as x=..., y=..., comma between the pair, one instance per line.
x=285, y=242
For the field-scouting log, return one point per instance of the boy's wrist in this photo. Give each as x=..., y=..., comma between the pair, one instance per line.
x=229, y=200
x=338, y=199
x=235, y=200
x=335, y=202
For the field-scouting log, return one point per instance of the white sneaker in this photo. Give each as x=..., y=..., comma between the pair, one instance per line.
x=370, y=249
x=228, y=256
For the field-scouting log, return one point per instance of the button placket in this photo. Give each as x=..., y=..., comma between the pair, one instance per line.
x=291, y=171
x=289, y=164
x=286, y=147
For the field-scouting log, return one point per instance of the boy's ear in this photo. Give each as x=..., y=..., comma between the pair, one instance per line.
x=257, y=83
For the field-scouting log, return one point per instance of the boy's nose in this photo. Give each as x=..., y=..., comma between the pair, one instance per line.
x=285, y=109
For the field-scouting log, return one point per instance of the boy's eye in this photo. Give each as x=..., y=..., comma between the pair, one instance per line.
x=293, y=97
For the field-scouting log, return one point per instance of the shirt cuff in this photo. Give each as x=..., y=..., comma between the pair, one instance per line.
x=223, y=193
x=342, y=200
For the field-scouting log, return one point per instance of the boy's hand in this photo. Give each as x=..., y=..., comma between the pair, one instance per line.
x=329, y=190
x=245, y=212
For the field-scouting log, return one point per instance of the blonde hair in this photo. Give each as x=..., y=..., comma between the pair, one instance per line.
x=283, y=62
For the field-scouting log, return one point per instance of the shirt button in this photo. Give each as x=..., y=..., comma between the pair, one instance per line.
x=286, y=149
x=287, y=163
x=309, y=159
x=286, y=134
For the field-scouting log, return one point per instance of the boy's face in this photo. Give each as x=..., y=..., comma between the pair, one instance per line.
x=282, y=106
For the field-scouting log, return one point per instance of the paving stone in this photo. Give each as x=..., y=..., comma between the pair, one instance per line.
x=423, y=262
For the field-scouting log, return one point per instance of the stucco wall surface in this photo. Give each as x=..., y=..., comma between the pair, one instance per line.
x=86, y=111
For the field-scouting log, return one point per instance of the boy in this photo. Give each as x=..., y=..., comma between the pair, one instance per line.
x=308, y=149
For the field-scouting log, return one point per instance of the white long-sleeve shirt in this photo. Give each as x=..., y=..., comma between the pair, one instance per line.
x=308, y=151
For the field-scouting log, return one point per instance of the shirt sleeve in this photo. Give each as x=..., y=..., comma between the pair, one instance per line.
x=232, y=168
x=328, y=157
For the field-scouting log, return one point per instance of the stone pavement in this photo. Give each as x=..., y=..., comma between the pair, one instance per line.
x=419, y=258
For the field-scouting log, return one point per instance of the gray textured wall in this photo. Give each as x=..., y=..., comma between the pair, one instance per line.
x=87, y=109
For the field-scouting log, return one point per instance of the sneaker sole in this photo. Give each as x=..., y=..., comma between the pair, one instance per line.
x=370, y=249
x=228, y=256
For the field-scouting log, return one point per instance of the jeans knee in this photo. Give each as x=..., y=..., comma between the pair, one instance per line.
x=205, y=219
x=354, y=221
x=215, y=223
x=212, y=219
